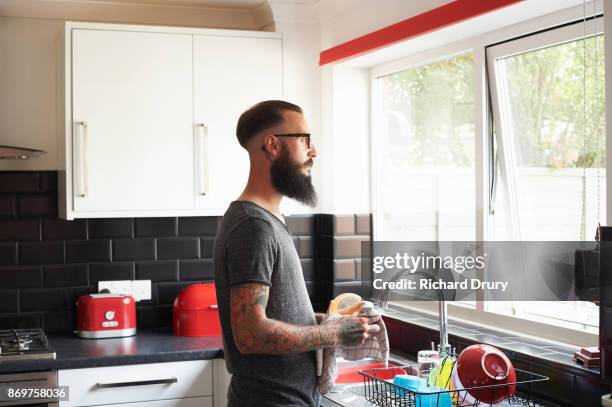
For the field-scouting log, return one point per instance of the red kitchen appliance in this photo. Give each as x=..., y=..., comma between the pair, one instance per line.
x=195, y=311
x=106, y=316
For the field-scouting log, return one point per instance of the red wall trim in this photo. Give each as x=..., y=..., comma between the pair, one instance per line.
x=443, y=16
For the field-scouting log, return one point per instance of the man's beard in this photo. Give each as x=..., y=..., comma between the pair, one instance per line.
x=289, y=180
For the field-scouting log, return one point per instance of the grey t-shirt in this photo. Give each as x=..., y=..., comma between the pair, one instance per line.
x=253, y=245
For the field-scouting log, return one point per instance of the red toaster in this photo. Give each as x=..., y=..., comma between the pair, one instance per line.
x=195, y=311
x=106, y=316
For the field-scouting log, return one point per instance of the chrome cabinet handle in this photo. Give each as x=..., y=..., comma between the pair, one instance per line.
x=80, y=160
x=201, y=158
x=138, y=383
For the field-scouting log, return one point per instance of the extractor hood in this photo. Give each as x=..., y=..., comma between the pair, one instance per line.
x=18, y=153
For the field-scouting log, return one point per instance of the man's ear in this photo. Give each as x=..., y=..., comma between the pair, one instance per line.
x=270, y=145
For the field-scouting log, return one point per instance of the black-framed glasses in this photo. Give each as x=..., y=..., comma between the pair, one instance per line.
x=304, y=136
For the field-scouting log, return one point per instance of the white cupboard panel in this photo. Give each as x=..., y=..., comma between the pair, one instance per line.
x=91, y=386
x=134, y=93
x=230, y=75
x=188, y=402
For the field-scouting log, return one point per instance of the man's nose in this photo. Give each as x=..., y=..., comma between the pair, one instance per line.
x=312, y=152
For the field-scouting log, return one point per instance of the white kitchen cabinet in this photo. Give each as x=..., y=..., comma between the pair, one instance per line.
x=190, y=402
x=149, y=117
x=225, y=86
x=132, y=113
x=137, y=383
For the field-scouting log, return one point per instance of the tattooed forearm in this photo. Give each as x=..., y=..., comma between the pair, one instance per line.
x=255, y=333
x=319, y=317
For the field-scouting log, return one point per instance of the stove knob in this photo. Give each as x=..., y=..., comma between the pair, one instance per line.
x=109, y=315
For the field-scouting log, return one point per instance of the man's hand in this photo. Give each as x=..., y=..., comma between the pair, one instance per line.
x=355, y=330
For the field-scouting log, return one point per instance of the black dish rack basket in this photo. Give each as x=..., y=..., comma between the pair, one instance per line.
x=381, y=392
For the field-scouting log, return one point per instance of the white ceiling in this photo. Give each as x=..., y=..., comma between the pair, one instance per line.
x=227, y=4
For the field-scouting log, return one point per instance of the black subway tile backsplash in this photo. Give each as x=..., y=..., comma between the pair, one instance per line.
x=133, y=249
x=59, y=229
x=21, y=320
x=178, y=248
x=155, y=227
x=42, y=299
x=110, y=271
x=9, y=300
x=198, y=226
x=196, y=270
x=363, y=224
x=306, y=246
x=72, y=294
x=47, y=181
x=8, y=253
x=157, y=271
x=309, y=269
x=19, y=229
x=37, y=205
x=15, y=182
x=302, y=225
x=41, y=252
x=65, y=275
x=344, y=270
x=167, y=292
x=8, y=206
x=206, y=247
x=86, y=251
x=337, y=225
x=20, y=276
x=153, y=317
x=110, y=228
x=59, y=321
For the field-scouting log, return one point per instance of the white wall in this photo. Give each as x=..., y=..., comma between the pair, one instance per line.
x=345, y=97
x=341, y=22
x=302, y=78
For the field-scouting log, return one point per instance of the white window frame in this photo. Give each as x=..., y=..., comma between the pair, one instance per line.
x=477, y=46
x=505, y=136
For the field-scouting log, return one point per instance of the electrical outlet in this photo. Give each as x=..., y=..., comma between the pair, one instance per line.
x=116, y=287
x=141, y=289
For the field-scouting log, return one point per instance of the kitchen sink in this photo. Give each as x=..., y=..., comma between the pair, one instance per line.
x=348, y=371
x=349, y=388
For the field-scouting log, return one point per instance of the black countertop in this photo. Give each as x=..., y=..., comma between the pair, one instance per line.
x=152, y=346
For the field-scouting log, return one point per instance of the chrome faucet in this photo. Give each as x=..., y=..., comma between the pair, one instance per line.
x=444, y=347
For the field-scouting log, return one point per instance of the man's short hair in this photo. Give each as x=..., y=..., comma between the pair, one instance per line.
x=260, y=117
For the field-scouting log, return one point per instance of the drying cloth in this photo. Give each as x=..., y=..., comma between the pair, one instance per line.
x=376, y=346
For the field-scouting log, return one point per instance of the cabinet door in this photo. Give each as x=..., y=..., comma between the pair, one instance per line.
x=134, y=92
x=188, y=402
x=230, y=75
x=137, y=383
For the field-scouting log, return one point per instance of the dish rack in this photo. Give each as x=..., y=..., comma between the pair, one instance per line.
x=381, y=392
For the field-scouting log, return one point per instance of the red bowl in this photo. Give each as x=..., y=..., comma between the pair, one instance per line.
x=485, y=365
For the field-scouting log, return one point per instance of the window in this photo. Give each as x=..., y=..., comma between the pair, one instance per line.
x=548, y=99
x=426, y=152
x=545, y=171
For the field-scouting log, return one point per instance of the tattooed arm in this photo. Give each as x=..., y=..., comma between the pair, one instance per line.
x=254, y=332
x=319, y=317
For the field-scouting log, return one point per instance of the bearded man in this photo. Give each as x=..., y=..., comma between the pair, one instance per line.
x=270, y=331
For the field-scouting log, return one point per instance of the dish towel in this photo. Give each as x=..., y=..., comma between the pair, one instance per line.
x=376, y=346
